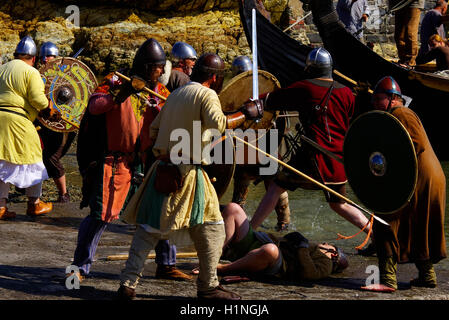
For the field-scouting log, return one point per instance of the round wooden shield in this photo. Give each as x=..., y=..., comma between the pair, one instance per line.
x=240, y=89
x=222, y=169
x=69, y=84
x=380, y=162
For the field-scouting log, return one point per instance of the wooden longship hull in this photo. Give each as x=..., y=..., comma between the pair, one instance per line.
x=285, y=57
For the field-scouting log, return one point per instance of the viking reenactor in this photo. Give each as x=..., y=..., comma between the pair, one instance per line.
x=55, y=144
x=243, y=175
x=48, y=52
x=416, y=232
x=291, y=257
x=325, y=108
x=178, y=201
x=112, y=144
x=22, y=97
x=183, y=58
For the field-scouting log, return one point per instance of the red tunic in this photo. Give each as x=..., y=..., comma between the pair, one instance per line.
x=302, y=96
x=125, y=123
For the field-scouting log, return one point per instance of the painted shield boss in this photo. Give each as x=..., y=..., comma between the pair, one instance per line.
x=69, y=84
x=380, y=162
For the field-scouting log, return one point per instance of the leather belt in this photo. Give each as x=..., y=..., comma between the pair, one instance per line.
x=14, y=112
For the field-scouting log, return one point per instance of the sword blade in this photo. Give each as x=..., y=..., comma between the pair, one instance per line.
x=381, y=220
x=255, y=68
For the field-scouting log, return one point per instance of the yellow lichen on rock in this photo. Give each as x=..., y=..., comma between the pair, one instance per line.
x=111, y=32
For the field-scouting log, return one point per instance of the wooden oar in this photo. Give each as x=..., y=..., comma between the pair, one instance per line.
x=338, y=73
x=297, y=21
x=117, y=257
x=349, y=201
x=144, y=89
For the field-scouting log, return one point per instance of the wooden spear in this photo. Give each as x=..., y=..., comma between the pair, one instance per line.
x=117, y=257
x=349, y=201
x=144, y=89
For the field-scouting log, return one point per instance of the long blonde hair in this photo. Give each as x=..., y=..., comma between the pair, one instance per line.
x=437, y=38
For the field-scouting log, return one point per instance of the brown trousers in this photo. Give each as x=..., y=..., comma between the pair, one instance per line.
x=406, y=24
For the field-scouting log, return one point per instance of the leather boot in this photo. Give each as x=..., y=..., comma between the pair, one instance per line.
x=126, y=293
x=40, y=208
x=218, y=293
x=427, y=277
x=171, y=273
x=5, y=214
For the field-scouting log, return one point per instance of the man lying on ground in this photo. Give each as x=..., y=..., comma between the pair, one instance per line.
x=291, y=257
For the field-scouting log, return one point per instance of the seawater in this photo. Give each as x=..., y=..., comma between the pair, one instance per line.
x=312, y=216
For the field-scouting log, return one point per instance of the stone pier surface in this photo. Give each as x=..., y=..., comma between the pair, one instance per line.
x=36, y=251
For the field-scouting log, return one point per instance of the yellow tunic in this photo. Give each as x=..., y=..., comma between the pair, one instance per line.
x=192, y=102
x=21, y=90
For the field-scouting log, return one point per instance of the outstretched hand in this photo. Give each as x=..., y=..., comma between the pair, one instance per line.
x=128, y=88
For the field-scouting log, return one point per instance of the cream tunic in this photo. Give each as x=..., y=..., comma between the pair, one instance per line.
x=193, y=102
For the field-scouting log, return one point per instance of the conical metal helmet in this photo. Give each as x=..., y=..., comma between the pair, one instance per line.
x=209, y=63
x=48, y=49
x=319, y=63
x=26, y=46
x=182, y=50
x=241, y=64
x=388, y=85
x=150, y=53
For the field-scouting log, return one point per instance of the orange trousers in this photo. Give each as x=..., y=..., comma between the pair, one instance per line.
x=406, y=34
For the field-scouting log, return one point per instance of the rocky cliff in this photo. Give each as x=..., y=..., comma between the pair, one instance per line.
x=111, y=31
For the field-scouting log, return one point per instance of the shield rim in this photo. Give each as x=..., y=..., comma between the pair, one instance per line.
x=54, y=61
x=415, y=159
x=246, y=74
